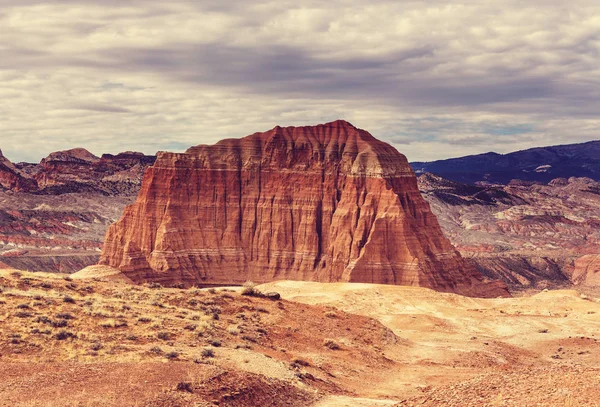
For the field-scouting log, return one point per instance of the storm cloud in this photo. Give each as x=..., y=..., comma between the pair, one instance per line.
x=436, y=79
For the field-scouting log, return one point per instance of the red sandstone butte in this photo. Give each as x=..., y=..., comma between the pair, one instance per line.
x=328, y=203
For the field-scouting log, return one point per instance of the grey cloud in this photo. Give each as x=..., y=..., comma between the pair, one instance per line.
x=100, y=108
x=423, y=75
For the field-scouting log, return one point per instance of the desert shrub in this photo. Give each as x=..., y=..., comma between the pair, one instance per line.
x=42, y=319
x=185, y=386
x=64, y=335
x=297, y=363
x=215, y=342
x=250, y=289
x=23, y=314
x=164, y=336
x=61, y=323
x=331, y=344
x=68, y=299
x=208, y=353
x=249, y=338
x=96, y=346
x=156, y=350
x=111, y=323
x=144, y=320
x=23, y=306
x=65, y=315
x=172, y=355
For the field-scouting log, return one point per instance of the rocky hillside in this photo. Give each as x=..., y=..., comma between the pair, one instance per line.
x=324, y=203
x=71, y=342
x=54, y=215
x=523, y=233
x=538, y=164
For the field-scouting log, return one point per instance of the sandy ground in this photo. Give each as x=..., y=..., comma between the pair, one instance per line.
x=452, y=339
x=91, y=343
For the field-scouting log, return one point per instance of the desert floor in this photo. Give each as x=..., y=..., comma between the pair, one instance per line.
x=67, y=342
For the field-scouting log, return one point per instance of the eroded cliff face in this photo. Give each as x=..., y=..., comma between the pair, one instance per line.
x=324, y=203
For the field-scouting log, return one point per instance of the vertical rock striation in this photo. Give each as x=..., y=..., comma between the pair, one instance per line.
x=324, y=203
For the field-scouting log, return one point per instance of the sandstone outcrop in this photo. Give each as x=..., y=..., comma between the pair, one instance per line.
x=326, y=203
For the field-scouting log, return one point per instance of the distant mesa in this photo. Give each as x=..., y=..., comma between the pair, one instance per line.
x=76, y=170
x=74, y=155
x=326, y=203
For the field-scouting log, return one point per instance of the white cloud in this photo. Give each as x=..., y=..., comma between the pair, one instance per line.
x=434, y=78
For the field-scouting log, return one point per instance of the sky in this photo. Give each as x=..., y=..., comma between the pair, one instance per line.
x=436, y=79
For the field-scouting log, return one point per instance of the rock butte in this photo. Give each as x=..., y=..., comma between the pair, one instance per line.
x=328, y=203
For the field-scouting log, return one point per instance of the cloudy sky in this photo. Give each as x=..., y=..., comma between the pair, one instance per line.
x=435, y=78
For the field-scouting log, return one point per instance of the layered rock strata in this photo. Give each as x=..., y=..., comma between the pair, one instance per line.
x=54, y=215
x=326, y=203
x=525, y=234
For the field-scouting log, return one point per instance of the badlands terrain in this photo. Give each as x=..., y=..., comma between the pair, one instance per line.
x=528, y=235
x=72, y=342
x=54, y=215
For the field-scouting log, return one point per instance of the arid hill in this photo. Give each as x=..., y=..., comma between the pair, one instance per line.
x=54, y=215
x=524, y=233
x=324, y=203
x=71, y=342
